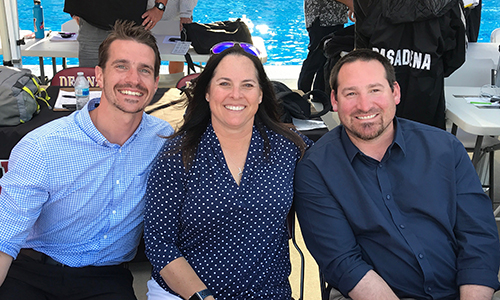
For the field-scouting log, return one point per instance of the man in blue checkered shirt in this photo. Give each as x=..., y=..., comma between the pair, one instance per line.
x=71, y=206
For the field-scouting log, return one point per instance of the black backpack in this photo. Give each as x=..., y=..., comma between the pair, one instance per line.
x=297, y=106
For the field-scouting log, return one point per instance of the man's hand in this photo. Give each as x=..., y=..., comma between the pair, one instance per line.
x=186, y=21
x=5, y=262
x=348, y=3
x=151, y=17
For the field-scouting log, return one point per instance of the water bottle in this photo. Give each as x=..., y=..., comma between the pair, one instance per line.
x=38, y=20
x=81, y=90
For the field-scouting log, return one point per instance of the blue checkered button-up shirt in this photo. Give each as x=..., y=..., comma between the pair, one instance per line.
x=74, y=196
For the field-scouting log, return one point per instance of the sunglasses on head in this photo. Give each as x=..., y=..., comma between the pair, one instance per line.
x=249, y=48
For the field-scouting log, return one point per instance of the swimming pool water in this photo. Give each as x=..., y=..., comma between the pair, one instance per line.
x=279, y=22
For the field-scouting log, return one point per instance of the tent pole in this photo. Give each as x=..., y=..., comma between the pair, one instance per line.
x=12, y=20
x=4, y=36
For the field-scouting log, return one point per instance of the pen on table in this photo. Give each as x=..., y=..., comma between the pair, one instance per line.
x=465, y=96
x=69, y=106
x=50, y=31
x=69, y=96
x=485, y=103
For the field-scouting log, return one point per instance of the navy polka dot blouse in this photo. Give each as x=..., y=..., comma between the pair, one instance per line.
x=233, y=236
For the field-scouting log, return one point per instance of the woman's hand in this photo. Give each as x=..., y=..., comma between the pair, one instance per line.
x=182, y=279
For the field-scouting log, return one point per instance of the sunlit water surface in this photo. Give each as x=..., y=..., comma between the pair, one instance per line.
x=279, y=22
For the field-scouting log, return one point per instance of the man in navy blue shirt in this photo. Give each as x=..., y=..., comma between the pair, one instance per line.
x=391, y=208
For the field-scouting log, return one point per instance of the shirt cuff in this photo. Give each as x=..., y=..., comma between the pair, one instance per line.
x=484, y=277
x=9, y=249
x=351, y=278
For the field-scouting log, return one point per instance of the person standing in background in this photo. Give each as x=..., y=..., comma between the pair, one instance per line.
x=97, y=17
x=322, y=18
x=424, y=41
x=181, y=10
x=473, y=21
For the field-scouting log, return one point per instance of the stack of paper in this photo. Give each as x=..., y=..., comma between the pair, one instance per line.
x=59, y=38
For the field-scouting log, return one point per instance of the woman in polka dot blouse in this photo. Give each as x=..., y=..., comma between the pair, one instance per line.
x=218, y=195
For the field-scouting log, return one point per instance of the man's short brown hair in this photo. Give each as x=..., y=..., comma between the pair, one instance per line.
x=128, y=30
x=363, y=55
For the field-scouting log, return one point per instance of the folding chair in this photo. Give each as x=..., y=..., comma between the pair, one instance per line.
x=484, y=160
x=181, y=85
x=290, y=222
x=66, y=77
x=185, y=81
x=325, y=287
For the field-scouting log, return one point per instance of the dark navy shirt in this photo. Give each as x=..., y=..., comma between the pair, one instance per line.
x=419, y=217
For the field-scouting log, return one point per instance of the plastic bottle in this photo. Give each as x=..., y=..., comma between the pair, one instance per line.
x=38, y=20
x=81, y=90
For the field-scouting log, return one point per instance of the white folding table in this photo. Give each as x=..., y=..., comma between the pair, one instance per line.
x=481, y=122
x=470, y=118
x=47, y=48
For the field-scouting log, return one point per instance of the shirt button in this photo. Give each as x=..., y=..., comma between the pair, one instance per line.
x=117, y=181
x=105, y=236
x=388, y=197
x=421, y=255
x=380, y=165
x=402, y=226
x=120, y=150
x=114, y=212
x=429, y=289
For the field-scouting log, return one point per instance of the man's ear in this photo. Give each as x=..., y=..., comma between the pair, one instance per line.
x=156, y=82
x=396, y=93
x=333, y=99
x=99, y=76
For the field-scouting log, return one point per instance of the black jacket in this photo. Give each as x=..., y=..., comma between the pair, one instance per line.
x=424, y=40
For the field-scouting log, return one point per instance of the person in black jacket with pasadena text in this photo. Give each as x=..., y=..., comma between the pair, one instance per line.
x=425, y=42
